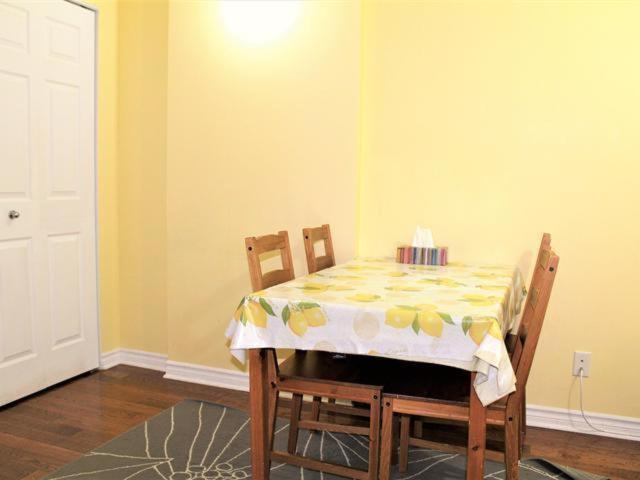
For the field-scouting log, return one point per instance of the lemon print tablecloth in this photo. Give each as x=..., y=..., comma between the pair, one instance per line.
x=455, y=315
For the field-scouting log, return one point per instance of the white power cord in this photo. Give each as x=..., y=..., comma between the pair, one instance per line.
x=587, y=420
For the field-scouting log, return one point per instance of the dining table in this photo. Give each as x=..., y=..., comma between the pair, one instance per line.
x=455, y=315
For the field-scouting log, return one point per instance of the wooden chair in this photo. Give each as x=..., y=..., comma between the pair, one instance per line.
x=257, y=246
x=319, y=374
x=313, y=235
x=511, y=341
x=446, y=394
x=314, y=264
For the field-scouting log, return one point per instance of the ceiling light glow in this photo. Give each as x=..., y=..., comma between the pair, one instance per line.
x=259, y=21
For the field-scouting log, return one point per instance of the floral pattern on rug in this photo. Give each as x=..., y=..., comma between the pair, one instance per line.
x=197, y=440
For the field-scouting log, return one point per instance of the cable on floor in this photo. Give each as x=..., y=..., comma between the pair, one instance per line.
x=587, y=419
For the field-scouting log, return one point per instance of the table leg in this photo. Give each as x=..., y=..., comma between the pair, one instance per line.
x=387, y=436
x=258, y=408
x=477, y=435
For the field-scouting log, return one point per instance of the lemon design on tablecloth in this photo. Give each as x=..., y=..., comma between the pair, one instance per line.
x=315, y=317
x=492, y=287
x=491, y=275
x=364, y=297
x=366, y=325
x=239, y=311
x=442, y=282
x=397, y=274
x=400, y=317
x=477, y=300
x=254, y=312
x=341, y=288
x=429, y=320
x=424, y=267
x=314, y=287
x=363, y=267
x=297, y=323
x=300, y=316
x=421, y=317
x=478, y=328
x=404, y=288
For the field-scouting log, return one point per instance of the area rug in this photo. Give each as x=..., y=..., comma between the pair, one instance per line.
x=197, y=440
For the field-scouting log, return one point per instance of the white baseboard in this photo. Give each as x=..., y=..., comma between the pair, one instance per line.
x=217, y=377
x=135, y=358
x=109, y=359
x=627, y=428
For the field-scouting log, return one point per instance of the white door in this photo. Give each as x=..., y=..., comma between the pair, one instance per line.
x=48, y=299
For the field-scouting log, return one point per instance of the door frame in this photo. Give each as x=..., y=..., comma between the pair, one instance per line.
x=96, y=23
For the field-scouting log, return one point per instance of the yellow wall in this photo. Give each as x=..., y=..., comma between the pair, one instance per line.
x=142, y=95
x=489, y=122
x=260, y=139
x=494, y=122
x=108, y=174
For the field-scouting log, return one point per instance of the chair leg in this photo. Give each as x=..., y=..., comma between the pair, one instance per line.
x=395, y=439
x=315, y=409
x=296, y=407
x=512, y=440
x=331, y=414
x=273, y=395
x=405, y=425
x=417, y=428
x=374, y=436
x=273, y=415
x=523, y=425
x=477, y=438
x=523, y=417
x=387, y=439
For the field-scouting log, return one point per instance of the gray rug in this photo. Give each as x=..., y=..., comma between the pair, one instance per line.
x=198, y=440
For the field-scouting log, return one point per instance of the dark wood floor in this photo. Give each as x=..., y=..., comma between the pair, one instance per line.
x=50, y=429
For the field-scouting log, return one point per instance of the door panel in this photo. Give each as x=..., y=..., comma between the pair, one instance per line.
x=48, y=294
x=14, y=142
x=16, y=302
x=14, y=26
x=63, y=153
x=64, y=290
x=64, y=41
x=22, y=365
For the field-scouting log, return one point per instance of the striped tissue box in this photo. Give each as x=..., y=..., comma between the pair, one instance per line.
x=422, y=255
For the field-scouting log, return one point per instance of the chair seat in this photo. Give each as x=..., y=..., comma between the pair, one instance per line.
x=331, y=367
x=332, y=376
x=396, y=377
x=430, y=382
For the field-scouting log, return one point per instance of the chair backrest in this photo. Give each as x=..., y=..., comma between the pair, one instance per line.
x=535, y=309
x=545, y=244
x=512, y=339
x=256, y=246
x=313, y=235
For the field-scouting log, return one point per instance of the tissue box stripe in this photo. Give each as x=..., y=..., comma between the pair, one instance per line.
x=422, y=256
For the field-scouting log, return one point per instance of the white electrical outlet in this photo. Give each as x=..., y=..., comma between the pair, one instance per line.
x=581, y=360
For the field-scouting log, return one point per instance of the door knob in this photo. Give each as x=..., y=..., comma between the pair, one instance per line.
x=13, y=214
